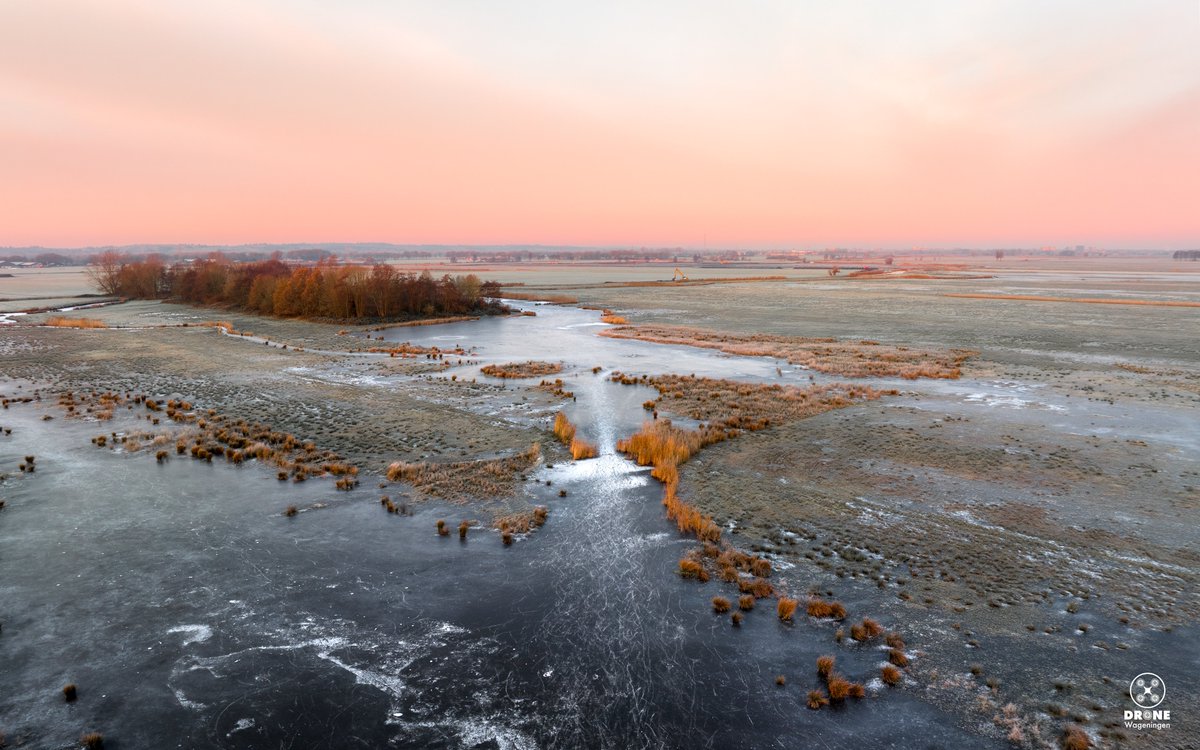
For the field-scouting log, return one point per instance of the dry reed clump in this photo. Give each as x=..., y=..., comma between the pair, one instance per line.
x=890, y=675
x=665, y=447
x=237, y=441
x=463, y=527
x=92, y=741
x=720, y=605
x=852, y=359
x=582, y=449
x=60, y=321
x=757, y=587
x=736, y=619
x=291, y=511
x=608, y=316
x=522, y=523
x=689, y=568
x=839, y=687
x=825, y=666
x=898, y=657
x=441, y=528
x=1074, y=738
x=530, y=369
x=780, y=680
x=410, y=351
x=70, y=692
x=90, y=405
x=818, y=607
x=462, y=481
x=746, y=602
x=893, y=640
x=817, y=699
x=565, y=431
x=866, y=630
x=555, y=388
x=786, y=607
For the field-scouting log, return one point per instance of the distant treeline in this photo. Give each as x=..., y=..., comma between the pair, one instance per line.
x=272, y=287
x=1186, y=255
x=643, y=255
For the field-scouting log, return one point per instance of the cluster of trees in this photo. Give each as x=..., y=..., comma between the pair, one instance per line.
x=1186, y=255
x=272, y=287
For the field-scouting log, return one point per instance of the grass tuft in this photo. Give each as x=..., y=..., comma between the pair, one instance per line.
x=786, y=607
x=70, y=693
x=720, y=605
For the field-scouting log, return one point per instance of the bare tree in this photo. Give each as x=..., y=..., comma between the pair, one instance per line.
x=105, y=271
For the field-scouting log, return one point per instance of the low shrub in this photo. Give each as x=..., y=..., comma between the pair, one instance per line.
x=786, y=607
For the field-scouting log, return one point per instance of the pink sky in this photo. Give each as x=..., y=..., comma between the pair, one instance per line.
x=754, y=124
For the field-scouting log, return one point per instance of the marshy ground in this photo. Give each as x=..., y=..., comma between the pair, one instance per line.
x=1027, y=530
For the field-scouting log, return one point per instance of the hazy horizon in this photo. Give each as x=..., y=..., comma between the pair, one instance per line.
x=777, y=124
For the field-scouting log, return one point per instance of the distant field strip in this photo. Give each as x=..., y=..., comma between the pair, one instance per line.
x=1083, y=300
x=709, y=281
x=852, y=358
